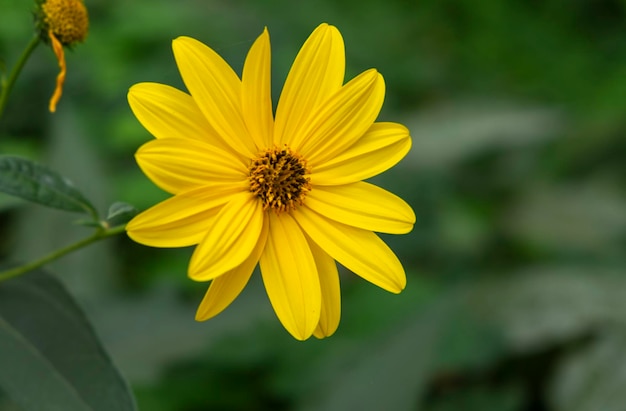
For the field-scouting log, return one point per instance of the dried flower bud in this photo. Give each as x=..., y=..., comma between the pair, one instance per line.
x=62, y=23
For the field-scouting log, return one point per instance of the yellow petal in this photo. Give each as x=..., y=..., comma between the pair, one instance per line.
x=343, y=119
x=178, y=165
x=168, y=112
x=230, y=239
x=216, y=90
x=290, y=277
x=331, y=296
x=179, y=221
x=319, y=333
x=225, y=288
x=363, y=205
x=316, y=74
x=360, y=251
x=57, y=47
x=380, y=148
x=256, y=92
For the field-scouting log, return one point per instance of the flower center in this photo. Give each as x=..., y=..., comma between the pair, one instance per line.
x=278, y=177
x=66, y=19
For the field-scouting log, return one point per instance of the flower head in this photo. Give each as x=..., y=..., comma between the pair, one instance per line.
x=283, y=191
x=63, y=23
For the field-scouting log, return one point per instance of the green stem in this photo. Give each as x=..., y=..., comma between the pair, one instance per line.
x=97, y=236
x=6, y=87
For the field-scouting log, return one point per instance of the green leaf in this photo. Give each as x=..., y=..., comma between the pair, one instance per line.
x=583, y=218
x=505, y=397
x=389, y=374
x=452, y=133
x=51, y=358
x=120, y=213
x=593, y=377
x=546, y=305
x=31, y=181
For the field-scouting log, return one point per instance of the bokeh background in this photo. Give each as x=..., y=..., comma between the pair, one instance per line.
x=516, y=295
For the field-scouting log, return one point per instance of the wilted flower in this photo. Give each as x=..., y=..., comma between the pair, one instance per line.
x=62, y=23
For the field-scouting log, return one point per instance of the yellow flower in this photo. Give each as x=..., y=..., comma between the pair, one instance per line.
x=284, y=192
x=64, y=23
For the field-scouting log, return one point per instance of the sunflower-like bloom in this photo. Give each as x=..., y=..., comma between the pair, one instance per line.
x=62, y=23
x=284, y=192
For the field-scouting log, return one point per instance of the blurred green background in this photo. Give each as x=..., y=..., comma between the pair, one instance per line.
x=516, y=295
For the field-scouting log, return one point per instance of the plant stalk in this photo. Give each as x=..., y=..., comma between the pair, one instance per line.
x=97, y=236
x=8, y=85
